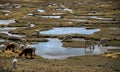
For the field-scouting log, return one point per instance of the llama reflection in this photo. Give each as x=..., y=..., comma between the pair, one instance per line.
x=90, y=49
x=102, y=45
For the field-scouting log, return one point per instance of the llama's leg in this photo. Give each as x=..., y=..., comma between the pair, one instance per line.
x=34, y=52
x=93, y=47
x=31, y=54
x=90, y=47
x=26, y=55
x=85, y=45
x=13, y=50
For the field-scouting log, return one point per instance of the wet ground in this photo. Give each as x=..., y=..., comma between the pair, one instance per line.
x=55, y=19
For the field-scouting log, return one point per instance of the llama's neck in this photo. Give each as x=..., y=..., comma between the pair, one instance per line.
x=21, y=54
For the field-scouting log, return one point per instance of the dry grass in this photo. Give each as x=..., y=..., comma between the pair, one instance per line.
x=97, y=63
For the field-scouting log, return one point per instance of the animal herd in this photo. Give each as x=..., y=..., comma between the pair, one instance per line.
x=27, y=49
x=23, y=46
x=87, y=42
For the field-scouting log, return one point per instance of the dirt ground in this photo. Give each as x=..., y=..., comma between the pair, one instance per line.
x=95, y=63
x=110, y=29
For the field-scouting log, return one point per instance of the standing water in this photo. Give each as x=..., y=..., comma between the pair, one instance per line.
x=70, y=30
x=7, y=21
x=53, y=50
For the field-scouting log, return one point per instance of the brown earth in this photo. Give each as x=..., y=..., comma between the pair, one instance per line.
x=94, y=63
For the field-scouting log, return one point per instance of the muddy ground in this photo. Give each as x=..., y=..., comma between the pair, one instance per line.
x=109, y=29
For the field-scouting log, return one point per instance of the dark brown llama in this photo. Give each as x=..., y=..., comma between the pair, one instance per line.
x=27, y=51
x=11, y=47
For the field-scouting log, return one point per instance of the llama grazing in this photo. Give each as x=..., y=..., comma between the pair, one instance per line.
x=14, y=64
x=38, y=33
x=21, y=47
x=11, y=47
x=90, y=43
x=30, y=25
x=67, y=38
x=24, y=42
x=27, y=51
x=2, y=47
x=103, y=42
x=30, y=46
x=88, y=52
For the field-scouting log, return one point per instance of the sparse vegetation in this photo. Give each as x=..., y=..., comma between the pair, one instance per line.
x=104, y=15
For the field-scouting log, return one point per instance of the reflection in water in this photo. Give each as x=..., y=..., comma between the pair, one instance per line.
x=53, y=50
x=70, y=30
x=7, y=21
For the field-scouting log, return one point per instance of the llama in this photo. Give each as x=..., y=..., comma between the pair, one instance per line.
x=103, y=42
x=90, y=43
x=29, y=25
x=14, y=64
x=30, y=46
x=24, y=42
x=88, y=52
x=11, y=47
x=38, y=33
x=21, y=47
x=68, y=38
x=27, y=51
x=2, y=47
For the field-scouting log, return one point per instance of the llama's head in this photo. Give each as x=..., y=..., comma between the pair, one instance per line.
x=20, y=54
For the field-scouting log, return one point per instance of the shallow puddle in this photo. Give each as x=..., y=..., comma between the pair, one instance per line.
x=6, y=22
x=41, y=10
x=51, y=16
x=100, y=18
x=7, y=29
x=76, y=20
x=53, y=50
x=70, y=30
x=1, y=40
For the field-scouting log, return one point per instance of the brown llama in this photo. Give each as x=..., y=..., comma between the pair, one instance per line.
x=11, y=47
x=27, y=51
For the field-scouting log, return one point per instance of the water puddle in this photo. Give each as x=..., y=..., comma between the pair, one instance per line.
x=30, y=14
x=4, y=5
x=76, y=20
x=51, y=16
x=1, y=40
x=53, y=50
x=41, y=10
x=5, y=11
x=7, y=29
x=6, y=22
x=100, y=18
x=70, y=30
